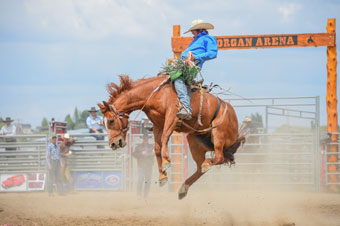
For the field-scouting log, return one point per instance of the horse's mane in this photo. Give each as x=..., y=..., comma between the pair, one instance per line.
x=126, y=83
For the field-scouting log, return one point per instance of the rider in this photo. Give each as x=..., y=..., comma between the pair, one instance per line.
x=202, y=48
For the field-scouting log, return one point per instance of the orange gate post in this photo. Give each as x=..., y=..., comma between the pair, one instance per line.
x=332, y=114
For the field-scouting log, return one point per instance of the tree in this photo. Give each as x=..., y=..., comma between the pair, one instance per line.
x=70, y=123
x=256, y=121
x=1, y=122
x=84, y=115
x=76, y=115
x=44, y=122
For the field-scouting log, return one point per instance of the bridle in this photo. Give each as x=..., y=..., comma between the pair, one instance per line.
x=119, y=116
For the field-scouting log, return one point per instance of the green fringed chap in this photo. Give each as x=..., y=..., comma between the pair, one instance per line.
x=178, y=68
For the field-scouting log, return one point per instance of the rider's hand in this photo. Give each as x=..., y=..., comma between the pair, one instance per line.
x=188, y=62
x=191, y=56
x=190, y=59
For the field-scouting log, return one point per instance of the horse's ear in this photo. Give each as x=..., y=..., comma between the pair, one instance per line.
x=103, y=108
x=105, y=104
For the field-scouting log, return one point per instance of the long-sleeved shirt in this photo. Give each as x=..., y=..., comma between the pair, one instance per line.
x=94, y=122
x=203, y=47
x=53, y=153
x=8, y=130
x=144, y=155
x=65, y=147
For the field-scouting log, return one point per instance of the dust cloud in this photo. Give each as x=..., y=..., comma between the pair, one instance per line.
x=230, y=208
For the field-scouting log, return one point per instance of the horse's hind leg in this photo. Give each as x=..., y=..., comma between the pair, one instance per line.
x=218, y=160
x=163, y=178
x=198, y=151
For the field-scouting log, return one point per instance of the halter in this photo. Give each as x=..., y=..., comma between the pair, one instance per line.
x=119, y=116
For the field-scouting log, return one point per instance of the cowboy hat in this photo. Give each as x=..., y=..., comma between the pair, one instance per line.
x=199, y=24
x=66, y=136
x=93, y=109
x=8, y=119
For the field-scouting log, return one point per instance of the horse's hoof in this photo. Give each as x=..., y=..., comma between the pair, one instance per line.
x=182, y=195
x=205, y=168
x=183, y=191
x=166, y=166
x=163, y=181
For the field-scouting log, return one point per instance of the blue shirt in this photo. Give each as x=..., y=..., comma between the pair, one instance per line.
x=53, y=153
x=93, y=122
x=203, y=47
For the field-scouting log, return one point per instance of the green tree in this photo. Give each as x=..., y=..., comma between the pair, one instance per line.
x=257, y=121
x=69, y=121
x=76, y=115
x=1, y=122
x=84, y=115
x=44, y=122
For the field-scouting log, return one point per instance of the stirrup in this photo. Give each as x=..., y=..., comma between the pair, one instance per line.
x=184, y=114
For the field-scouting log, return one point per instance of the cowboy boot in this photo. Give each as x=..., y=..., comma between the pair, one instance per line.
x=184, y=114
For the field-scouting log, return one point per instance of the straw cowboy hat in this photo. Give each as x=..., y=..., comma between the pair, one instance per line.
x=199, y=24
x=8, y=119
x=67, y=136
x=93, y=109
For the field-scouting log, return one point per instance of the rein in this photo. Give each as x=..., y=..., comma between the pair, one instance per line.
x=120, y=115
x=153, y=92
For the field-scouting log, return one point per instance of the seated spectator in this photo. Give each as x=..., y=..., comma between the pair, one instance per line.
x=95, y=123
x=9, y=130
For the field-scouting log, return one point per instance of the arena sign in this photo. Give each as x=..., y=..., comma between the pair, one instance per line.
x=261, y=42
x=179, y=44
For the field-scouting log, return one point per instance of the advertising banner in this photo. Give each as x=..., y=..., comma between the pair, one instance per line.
x=13, y=182
x=89, y=180
x=112, y=180
x=36, y=181
x=98, y=180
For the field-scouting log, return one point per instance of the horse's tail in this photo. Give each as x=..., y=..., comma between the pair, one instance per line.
x=229, y=152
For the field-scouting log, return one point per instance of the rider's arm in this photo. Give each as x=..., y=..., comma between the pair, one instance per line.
x=211, y=49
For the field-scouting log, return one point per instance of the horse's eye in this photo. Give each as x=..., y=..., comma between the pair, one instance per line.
x=111, y=122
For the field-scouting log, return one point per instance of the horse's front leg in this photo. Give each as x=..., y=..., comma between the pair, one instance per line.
x=169, y=127
x=163, y=178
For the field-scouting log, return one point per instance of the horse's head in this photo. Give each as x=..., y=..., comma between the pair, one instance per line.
x=116, y=123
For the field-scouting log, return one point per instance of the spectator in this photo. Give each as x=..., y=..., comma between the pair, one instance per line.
x=9, y=130
x=54, y=164
x=146, y=125
x=144, y=155
x=95, y=123
x=65, y=152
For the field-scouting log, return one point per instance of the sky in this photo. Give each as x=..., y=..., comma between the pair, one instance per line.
x=58, y=55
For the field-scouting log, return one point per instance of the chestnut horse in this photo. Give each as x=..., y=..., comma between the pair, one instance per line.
x=157, y=97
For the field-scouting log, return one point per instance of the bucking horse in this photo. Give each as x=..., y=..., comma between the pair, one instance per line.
x=216, y=130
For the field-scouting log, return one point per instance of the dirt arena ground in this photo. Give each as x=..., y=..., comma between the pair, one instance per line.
x=248, y=208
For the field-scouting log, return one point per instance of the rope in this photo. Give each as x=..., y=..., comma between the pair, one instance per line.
x=154, y=91
x=210, y=128
x=199, y=118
